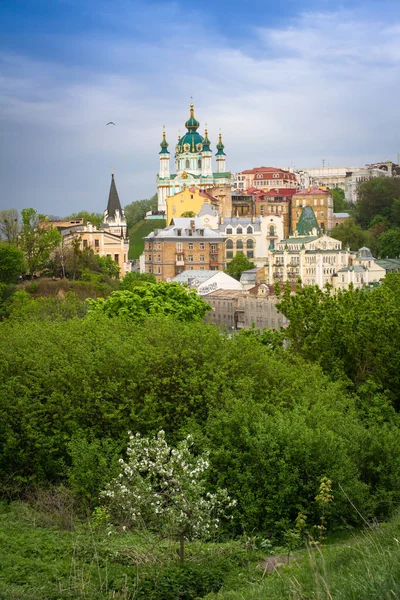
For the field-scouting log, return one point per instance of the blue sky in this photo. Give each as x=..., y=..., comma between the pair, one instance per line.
x=288, y=83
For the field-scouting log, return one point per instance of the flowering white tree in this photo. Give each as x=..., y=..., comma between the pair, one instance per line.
x=163, y=489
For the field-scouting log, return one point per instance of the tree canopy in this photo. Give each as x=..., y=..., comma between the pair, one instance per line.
x=378, y=196
x=37, y=239
x=136, y=211
x=352, y=235
x=159, y=298
x=238, y=264
x=9, y=225
x=12, y=263
x=389, y=243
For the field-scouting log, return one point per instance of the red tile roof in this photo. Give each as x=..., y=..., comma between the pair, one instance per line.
x=312, y=191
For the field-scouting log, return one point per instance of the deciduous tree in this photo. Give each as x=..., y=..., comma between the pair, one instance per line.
x=38, y=239
x=9, y=225
x=238, y=264
x=164, y=489
x=12, y=263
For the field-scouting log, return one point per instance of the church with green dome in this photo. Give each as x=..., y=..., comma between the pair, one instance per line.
x=193, y=163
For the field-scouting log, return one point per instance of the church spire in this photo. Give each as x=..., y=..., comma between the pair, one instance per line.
x=113, y=200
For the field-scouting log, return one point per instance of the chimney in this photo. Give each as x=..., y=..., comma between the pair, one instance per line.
x=192, y=225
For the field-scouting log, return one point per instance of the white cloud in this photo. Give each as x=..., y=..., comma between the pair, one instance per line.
x=323, y=87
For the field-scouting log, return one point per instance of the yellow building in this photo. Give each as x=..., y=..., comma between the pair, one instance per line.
x=190, y=199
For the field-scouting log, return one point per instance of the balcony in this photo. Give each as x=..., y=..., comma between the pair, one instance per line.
x=214, y=260
x=179, y=260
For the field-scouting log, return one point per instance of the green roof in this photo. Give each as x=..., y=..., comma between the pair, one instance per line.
x=222, y=175
x=307, y=221
x=299, y=240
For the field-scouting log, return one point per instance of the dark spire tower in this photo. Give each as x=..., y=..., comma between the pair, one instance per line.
x=114, y=215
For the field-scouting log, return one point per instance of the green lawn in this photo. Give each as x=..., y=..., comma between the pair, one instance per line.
x=138, y=232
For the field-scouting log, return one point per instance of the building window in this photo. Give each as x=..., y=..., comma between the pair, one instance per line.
x=262, y=210
x=271, y=231
x=187, y=164
x=179, y=246
x=179, y=232
x=250, y=229
x=213, y=248
x=239, y=230
x=239, y=245
x=96, y=243
x=250, y=244
x=190, y=233
x=250, y=254
x=116, y=258
x=190, y=245
x=84, y=243
x=229, y=254
x=201, y=257
x=190, y=258
x=149, y=257
x=229, y=244
x=199, y=164
x=229, y=231
x=158, y=257
x=201, y=245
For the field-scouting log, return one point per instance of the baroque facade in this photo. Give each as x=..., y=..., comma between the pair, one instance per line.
x=193, y=163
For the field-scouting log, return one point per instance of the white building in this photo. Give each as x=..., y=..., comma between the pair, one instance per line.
x=206, y=282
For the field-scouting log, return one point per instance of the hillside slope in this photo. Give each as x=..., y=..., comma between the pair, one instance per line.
x=138, y=232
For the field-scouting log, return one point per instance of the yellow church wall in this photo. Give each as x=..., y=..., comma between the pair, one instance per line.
x=189, y=199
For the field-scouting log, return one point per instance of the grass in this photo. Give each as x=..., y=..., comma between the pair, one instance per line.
x=41, y=561
x=366, y=567
x=138, y=232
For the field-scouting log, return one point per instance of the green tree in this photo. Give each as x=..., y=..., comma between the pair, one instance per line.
x=152, y=299
x=354, y=335
x=9, y=225
x=238, y=264
x=188, y=214
x=136, y=211
x=339, y=203
x=352, y=235
x=38, y=239
x=12, y=263
x=94, y=218
x=389, y=243
x=133, y=279
x=376, y=197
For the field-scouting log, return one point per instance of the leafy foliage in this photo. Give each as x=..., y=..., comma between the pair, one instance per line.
x=92, y=217
x=238, y=264
x=378, y=196
x=132, y=279
x=389, y=243
x=353, y=333
x=152, y=299
x=136, y=211
x=12, y=263
x=353, y=236
x=37, y=239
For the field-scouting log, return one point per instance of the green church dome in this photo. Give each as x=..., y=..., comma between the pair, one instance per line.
x=191, y=141
x=164, y=144
x=192, y=123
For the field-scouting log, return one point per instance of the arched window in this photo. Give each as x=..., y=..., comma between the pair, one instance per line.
x=271, y=231
x=239, y=245
x=250, y=244
x=199, y=164
x=229, y=244
x=250, y=229
x=187, y=164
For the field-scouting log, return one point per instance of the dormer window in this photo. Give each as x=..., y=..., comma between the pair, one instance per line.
x=179, y=232
x=239, y=230
x=250, y=229
x=229, y=231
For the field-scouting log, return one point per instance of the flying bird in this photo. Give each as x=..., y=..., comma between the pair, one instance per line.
x=110, y=123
